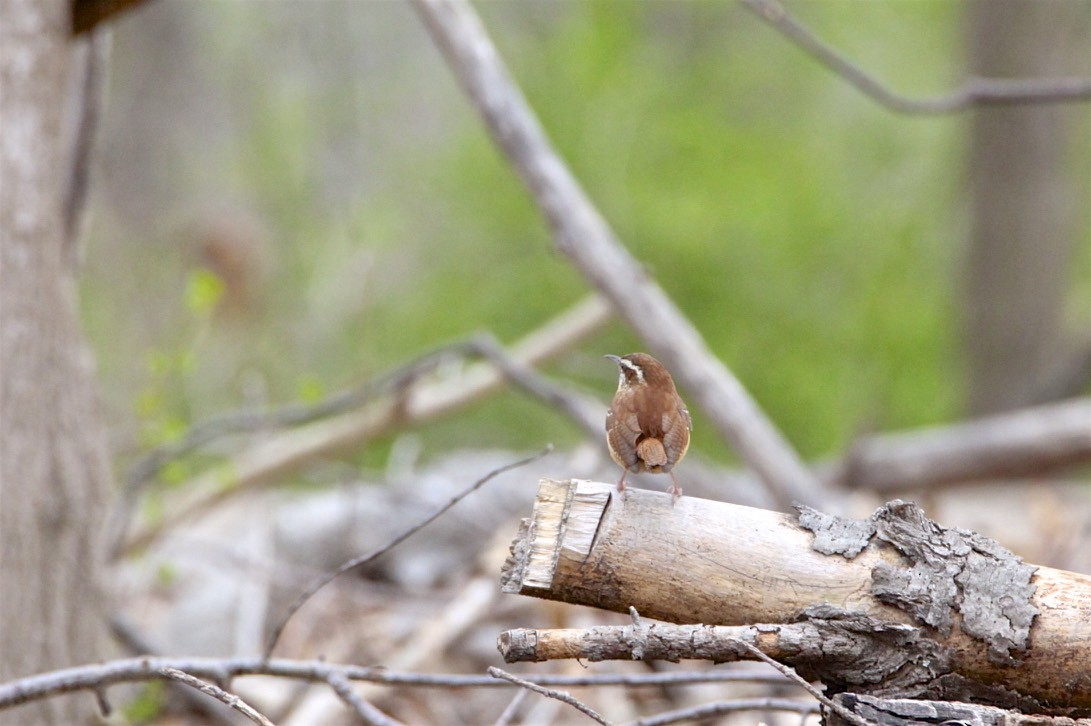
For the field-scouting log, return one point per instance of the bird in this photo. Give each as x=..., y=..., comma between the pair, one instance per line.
x=648, y=424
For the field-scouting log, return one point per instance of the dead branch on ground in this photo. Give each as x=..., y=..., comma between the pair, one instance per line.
x=1021, y=443
x=352, y=564
x=890, y=605
x=411, y=400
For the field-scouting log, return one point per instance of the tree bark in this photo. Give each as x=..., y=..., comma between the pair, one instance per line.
x=1028, y=182
x=893, y=605
x=54, y=471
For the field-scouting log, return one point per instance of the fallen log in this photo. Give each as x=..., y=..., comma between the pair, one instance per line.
x=894, y=605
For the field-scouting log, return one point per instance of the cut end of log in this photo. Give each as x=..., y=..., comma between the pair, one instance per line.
x=566, y=517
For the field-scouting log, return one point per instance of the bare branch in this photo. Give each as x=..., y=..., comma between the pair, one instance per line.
x=101, y=675
x=1030, y=441
x=293, y=414
x=218, y=693
x=134, y=643
x=709, y=710
x=976, y=92
x=352, y=564
x=410, y=400
x=367, y=713
x=508, y=716
x=580, y=233
x=588, y=413
x=562, y=696
x=659, y=641
x=789, y=673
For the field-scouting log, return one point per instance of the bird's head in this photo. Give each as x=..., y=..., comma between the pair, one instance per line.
x=640, y=369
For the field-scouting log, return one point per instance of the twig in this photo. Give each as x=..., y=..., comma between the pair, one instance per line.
x=709, y=710
x=585, y=412
x=484, y=345
x=580, y=233
x=100, y=675
x=790, y=673
x=367, y=712
x=412, y=401
x=133, y=641
x=508, y=715
x=562, y=696
x=321, y=582
x=216, y=692
x=293, y=414
x=976, y=92
x=104, y=707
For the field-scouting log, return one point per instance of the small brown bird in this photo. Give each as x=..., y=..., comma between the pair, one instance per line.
x=648, y=425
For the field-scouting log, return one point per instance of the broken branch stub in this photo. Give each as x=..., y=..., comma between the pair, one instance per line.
x=924, y=611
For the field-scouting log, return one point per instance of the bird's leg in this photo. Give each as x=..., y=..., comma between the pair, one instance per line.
x=676, y=491
x=621, y=481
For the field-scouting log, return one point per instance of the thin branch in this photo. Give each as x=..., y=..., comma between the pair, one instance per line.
x=367, y=712
x=710, y=710
x=562, y=696
x=976, y=92
x=100, y=675
x=293, y=414
x=507, y=717
x=580, y=233
x=410, y=400
x=218, y=693
x=104, y=708
x=352, y=564
x=134, y=642
x=588, y=413
x=841, y=711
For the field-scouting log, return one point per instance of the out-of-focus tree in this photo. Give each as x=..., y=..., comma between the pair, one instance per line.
x=1029, y=182
x=54, y=471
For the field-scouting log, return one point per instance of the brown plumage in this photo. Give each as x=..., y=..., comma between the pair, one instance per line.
x=648, y=425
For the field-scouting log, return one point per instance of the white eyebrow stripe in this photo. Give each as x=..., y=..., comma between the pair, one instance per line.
x=634, y=368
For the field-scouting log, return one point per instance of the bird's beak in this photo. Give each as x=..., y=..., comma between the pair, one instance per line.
x=615, y=358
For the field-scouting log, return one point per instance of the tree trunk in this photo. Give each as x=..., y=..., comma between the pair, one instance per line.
x=1029, y=184
x=54, y=471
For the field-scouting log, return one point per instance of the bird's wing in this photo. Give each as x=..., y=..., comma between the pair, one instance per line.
x=623, y=433
x=676, y=433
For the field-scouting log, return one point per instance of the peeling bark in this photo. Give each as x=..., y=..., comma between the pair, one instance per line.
x=947, y=573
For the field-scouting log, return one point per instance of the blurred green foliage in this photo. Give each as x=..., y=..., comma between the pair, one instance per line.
x=147, y=705
x=812, y=237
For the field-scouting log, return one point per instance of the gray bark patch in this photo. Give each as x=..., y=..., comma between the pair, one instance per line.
x=945, y=571
x=835, y=535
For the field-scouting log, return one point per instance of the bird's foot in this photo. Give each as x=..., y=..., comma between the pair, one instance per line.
x=676, y=491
